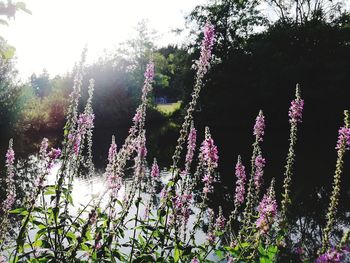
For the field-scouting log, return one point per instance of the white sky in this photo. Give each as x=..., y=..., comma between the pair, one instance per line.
x=55, y=34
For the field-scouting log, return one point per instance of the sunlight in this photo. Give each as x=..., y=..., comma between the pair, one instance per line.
x=55, y=34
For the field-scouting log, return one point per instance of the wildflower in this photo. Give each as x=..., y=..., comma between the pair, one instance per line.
x=259, y=171
x=191, y=144
x=98, y=245
x=334, y=199
x=267, y=210
x=259, y=126
x=11, y=190
x=206, y=48
x=9, y=201
x=195, y=260
x=230, y=260
x=186, y=199
x=155, y=170
x=202, y=67
x=241, y=179
x=112, y=151
x=209, y=157
x=54, y=153
x=10, y=156
x=149, y=73
x=295, y=114
x=209, y=151
x=211, y=228
x=163, y=193
x=211, y=237
x=113, y=180
x=86, y=121
x=137, y=117
x=343, y=138
x=332, y=256
x=299, y=250
x=220, y=221
x=296, y=111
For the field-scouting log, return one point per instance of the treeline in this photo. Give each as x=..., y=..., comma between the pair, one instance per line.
x=42, y=102
x=258, y=61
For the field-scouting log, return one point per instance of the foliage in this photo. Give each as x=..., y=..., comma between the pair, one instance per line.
x=106, y=229
x=9, y=94
x=9, y=10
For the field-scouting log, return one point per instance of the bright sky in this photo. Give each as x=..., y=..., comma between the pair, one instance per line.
x=55, y=34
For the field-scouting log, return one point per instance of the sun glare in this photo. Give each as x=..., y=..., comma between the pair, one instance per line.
x=54, y=35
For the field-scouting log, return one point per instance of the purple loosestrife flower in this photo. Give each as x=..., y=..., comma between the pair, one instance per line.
x=54, y=154
x=155, y=170
x=343, y=138
x=240, y=182
x=296, y=111
x=85, y=122
x=259, y=171
x=342, y=145
x=206, y=48
x=149, y=73
x=113, y=180
x=191, y=145
x=209, y=151
x=220, y=221
x=202, y=66
x=332, y=256
x=259, y=127
x=11, y=189
x=9, y=201
x=209, y=156
x=137, y=117
x=10, y=156
x=112, y=151
x=267, y=212
x=295, y=117
x=211, y=228
x=164, y=193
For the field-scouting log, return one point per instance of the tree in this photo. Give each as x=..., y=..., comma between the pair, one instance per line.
x=234, y=21
x=9, y=94
x=41, y=84
x=302, y=11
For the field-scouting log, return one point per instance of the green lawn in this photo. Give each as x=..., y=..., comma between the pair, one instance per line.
x=168, y=108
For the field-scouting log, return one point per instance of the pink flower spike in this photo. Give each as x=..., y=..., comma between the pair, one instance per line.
x=149, y=73
x=259, y=127
x=240, y=182
x=155, y=170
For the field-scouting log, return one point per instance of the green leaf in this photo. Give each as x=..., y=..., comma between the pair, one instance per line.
x=71, y=236
x=177, y=254
x=21, y=211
